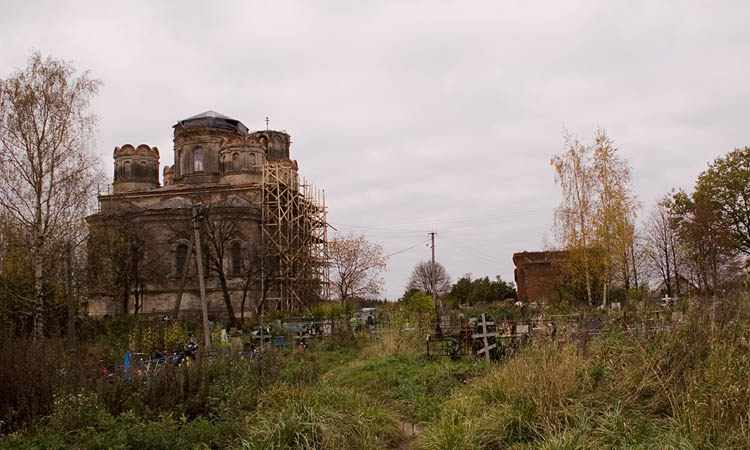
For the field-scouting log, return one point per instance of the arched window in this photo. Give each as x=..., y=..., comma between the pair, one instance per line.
x=185, y=161
x=128, y=174
x=198, y=159
x=235, y=254
x=253, y=160
x=180, y=258
x=236, y=161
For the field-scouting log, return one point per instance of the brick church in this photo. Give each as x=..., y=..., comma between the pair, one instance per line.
x=141, y=250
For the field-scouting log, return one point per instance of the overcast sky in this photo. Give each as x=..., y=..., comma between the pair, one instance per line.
x=419, y=116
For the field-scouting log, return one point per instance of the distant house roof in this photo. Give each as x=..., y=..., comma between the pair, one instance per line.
x=213, y=119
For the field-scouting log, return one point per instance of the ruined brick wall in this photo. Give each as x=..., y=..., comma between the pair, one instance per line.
x=538, y=275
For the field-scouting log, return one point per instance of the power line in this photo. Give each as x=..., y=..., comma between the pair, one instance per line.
x=458, y=222
x=407, y=249
x=463, y=247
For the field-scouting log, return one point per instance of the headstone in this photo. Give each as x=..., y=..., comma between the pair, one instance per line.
x=522, y=329
x=676, y=316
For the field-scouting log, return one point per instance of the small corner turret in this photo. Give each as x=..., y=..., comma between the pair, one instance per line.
x=136, y=168
x=276, y=143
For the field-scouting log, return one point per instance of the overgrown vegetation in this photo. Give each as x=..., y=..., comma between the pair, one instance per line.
x=52, y=399
x=414, y=387
x=682, y=389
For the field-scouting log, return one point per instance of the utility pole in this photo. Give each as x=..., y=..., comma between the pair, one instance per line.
x=432, y=268
x=438, y=331
x=199, y=262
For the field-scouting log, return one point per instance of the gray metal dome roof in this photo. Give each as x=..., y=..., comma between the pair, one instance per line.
x=213, y=119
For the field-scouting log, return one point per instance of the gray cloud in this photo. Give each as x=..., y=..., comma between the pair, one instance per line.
x=418, y=116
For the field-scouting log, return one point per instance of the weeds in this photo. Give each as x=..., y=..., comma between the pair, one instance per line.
x=323, y=418
x=680, y=389
x=685, y=388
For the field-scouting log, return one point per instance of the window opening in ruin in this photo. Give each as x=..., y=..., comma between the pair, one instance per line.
x=127, y=169
x=180, y=257
x=236, y=256
x=236, y=161
x=185, y=168
x=198, y=159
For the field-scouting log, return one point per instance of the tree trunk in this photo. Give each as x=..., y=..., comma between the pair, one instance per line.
x=124, y=299
x=242, y=308
x=227, y=299
x=137, y=298
x=674, y=268
x=635, y=269
x=69, y=296
x=668, y=280
x=38, y=310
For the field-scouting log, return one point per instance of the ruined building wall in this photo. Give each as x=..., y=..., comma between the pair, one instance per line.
x=538, y=275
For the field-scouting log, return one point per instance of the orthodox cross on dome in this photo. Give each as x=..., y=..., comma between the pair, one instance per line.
x=267, y=123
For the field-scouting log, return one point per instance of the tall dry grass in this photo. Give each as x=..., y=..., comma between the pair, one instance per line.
x=684, y=388
x=395, y=342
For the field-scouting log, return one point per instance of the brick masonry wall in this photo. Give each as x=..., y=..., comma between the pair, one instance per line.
x=537, y=275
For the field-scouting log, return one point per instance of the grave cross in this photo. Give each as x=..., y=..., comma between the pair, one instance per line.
x=485, y=335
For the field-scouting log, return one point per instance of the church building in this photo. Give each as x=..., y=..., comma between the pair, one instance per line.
x=262, y=232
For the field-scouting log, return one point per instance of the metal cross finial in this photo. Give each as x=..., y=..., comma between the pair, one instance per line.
x=267, y=123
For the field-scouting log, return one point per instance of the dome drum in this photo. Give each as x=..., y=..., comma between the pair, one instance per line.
x=136, y=168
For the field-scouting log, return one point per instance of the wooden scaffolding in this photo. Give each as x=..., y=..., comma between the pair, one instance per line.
x=294, y=240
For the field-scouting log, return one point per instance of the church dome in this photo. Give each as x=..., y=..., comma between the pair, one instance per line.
x=212, y=119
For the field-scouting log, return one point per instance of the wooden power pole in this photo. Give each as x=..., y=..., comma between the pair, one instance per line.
x=433, y=274
x=432, y=267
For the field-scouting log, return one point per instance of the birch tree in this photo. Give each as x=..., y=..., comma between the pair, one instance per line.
x=615, y=208
x=47, y=169
x=574, y=218
x=595, y=220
